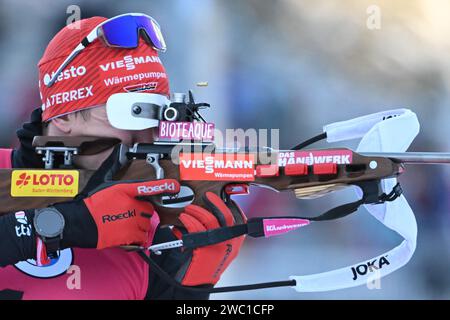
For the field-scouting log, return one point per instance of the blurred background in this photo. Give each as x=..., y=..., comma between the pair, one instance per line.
x=292, y=65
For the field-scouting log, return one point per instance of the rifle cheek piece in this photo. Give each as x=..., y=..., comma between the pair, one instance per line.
x=139, y=111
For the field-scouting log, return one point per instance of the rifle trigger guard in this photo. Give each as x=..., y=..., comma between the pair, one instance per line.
x=153, y=160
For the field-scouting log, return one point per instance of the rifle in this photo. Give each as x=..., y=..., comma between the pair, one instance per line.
x=150, y=161
x=202, y=167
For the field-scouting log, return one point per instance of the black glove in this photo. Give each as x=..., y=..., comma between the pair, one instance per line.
x=17, y=238
x=26, y=156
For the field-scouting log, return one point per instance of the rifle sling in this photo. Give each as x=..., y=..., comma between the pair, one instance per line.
x=255, y=226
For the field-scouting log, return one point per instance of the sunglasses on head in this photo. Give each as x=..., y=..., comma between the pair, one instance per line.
x=122, y=31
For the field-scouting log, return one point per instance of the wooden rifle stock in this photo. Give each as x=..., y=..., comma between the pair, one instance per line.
x=359, y=170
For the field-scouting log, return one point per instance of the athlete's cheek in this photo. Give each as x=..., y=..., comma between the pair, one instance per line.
x=124, y=136
x=143, y=136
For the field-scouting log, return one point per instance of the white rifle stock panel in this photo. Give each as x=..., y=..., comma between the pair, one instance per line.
x=121, y=115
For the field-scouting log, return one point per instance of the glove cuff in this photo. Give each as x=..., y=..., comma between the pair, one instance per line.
x=80, y=229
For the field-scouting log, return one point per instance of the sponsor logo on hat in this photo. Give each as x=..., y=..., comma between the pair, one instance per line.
x=150, y=86
x=112, y=81
x=129, y=62
x=72, y=72
x=68, y=96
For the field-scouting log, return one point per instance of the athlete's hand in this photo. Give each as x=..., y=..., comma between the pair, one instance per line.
x=25, y=156
x=111, y=216
x=208, y=263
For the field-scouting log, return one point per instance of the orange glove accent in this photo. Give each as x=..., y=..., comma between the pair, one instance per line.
x=208, y=263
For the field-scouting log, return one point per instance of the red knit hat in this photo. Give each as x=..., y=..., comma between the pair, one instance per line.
x=97, y=72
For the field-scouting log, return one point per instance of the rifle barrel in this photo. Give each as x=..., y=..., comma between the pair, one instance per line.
x=413, y=157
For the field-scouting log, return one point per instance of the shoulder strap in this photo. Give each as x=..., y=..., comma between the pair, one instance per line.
x=5, y=158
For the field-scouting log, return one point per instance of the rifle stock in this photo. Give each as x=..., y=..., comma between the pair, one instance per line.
x=303, y=185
